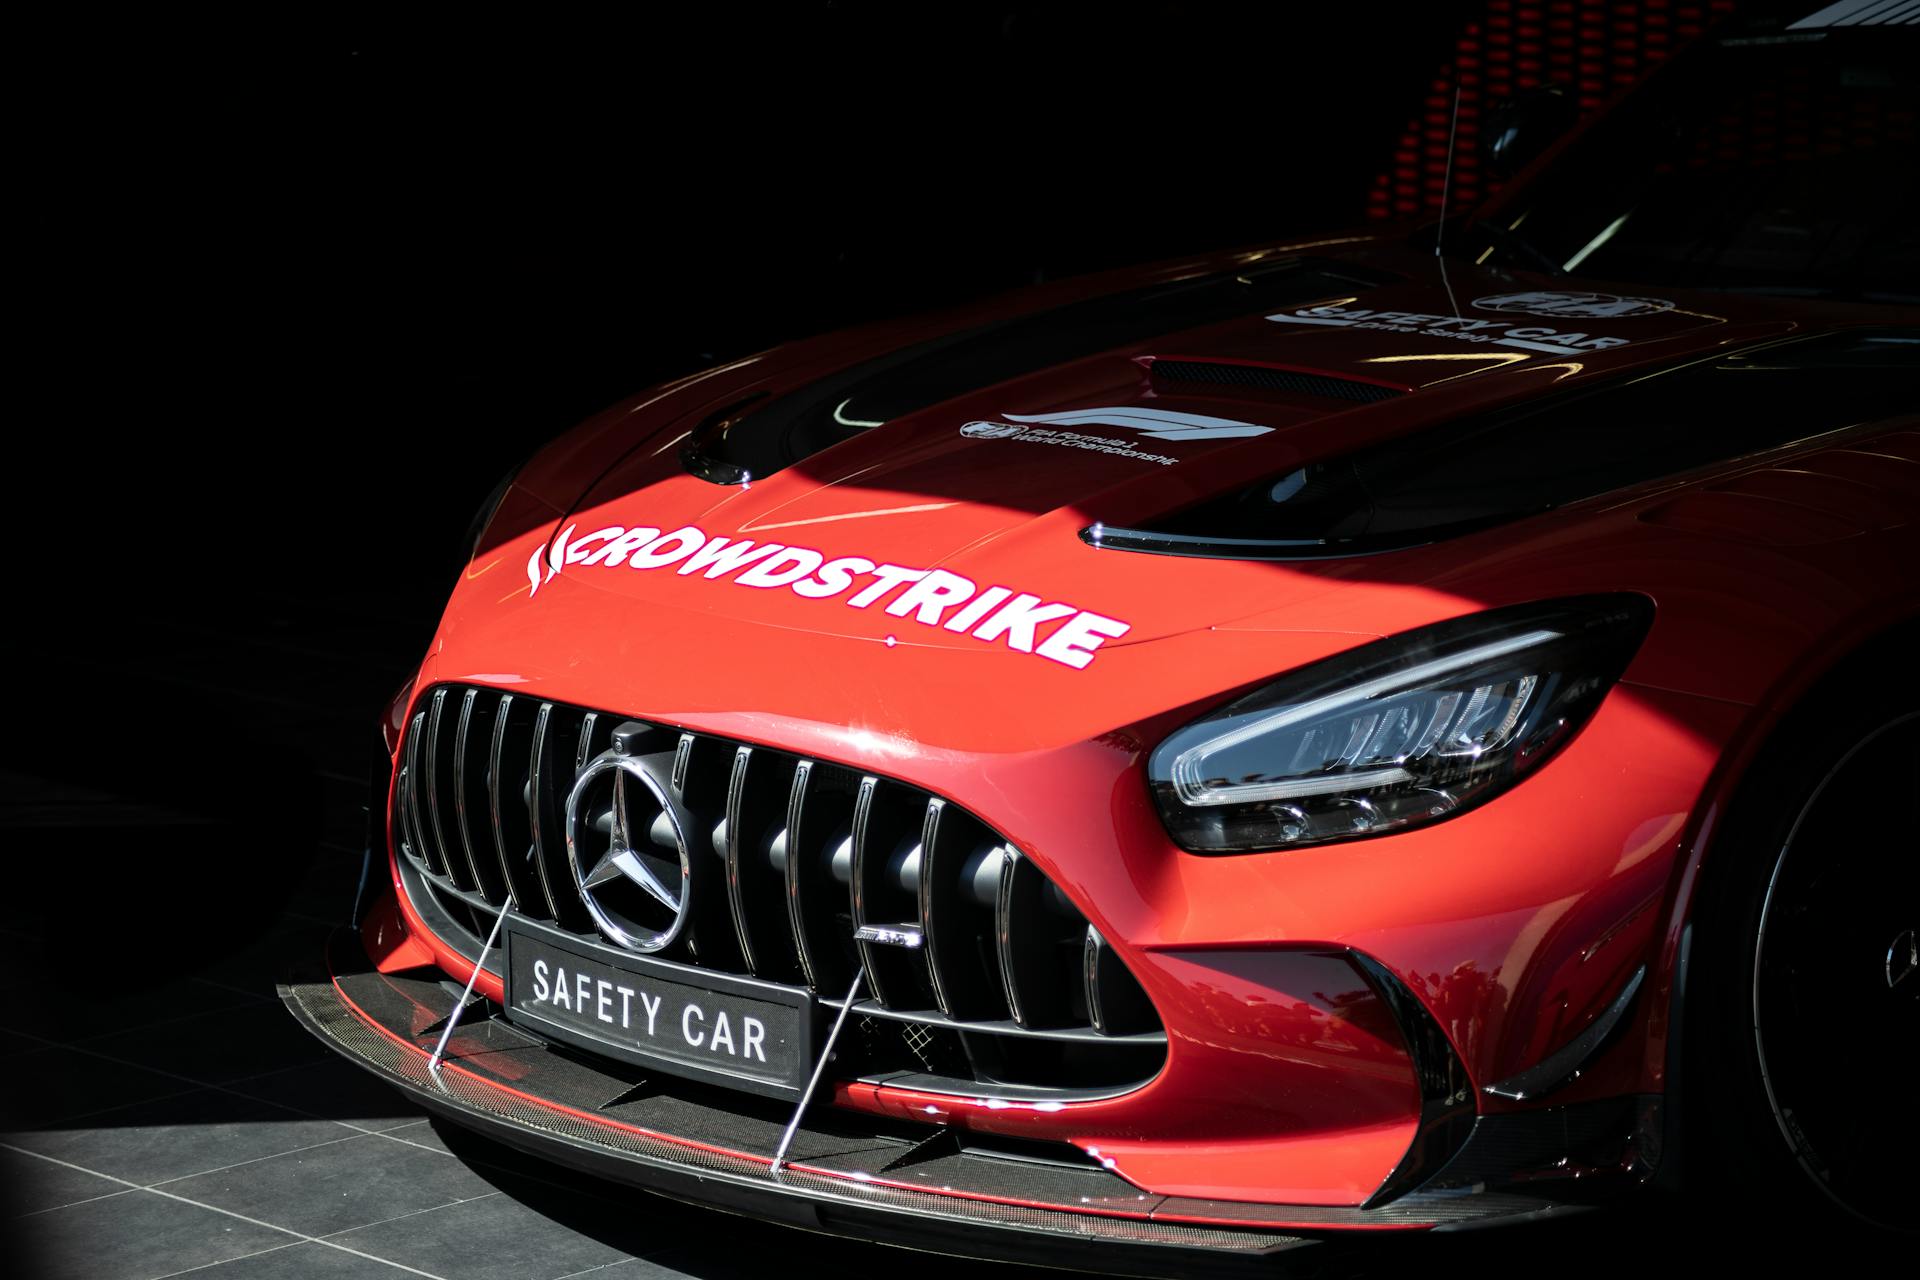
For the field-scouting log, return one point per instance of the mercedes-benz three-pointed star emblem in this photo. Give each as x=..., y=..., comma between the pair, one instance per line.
x=632, y=886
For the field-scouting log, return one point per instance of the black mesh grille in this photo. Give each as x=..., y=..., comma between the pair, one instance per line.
x=1266, y=379
x=1011, y=990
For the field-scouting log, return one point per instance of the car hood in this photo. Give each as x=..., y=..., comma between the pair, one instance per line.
x=996, y=476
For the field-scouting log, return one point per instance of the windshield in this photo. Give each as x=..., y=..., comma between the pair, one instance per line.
x=1766, y=163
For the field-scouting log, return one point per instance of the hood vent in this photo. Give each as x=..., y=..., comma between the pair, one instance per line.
x=1468, y=473
x=784, y=429
x=1172, y=372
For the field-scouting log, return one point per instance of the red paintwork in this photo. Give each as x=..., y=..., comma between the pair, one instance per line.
x=1516, y=922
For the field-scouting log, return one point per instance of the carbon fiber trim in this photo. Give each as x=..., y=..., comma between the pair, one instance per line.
x=691, y=1171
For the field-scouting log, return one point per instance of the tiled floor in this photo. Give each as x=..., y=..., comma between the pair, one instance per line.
x=192, y=1127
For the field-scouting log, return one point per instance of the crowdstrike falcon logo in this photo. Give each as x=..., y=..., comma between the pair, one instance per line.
x=1024, y=622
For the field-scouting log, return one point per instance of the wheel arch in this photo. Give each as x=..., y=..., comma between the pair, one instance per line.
x=1842, y=662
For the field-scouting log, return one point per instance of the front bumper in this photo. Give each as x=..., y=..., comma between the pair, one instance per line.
x=872, y=1177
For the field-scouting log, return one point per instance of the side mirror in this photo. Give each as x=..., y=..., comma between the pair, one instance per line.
x=1518, y=129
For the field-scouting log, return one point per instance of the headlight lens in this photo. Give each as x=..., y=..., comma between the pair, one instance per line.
x=1397, y=733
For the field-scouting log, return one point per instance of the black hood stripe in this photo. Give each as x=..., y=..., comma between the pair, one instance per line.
x=734, y=447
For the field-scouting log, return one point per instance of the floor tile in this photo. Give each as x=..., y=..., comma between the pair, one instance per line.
x=302, y=1262
x=422, y=1133
x=348, y=1184
x=132, y=1237
x=336, y=1089
x=218, y=1047
x=54, y=1085
x=503, y=1237
x=29, y=1184
x=173, y=1137
x=650, y=1269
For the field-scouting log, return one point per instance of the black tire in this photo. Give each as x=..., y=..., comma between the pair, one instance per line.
x=1802, y=1015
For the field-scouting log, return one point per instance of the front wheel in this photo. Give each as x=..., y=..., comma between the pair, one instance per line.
x=1804, y=1043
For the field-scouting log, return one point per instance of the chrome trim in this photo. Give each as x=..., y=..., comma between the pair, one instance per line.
x=433, y=785
x=583, y=752
x=543, y=858
x=891, y=935
x=736, y=796
x=416, y=825
x=999, y=1027
x=622, y=856
x=681, y=754
x=461, y=735
x=1091, y=957
x=857, y=886
x=440, y=884
x=961, y=1087
x=929, y=868
x=1003, y=933
x=796, y=864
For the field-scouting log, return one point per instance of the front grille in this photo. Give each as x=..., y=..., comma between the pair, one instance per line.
x=1268, y=378
x=1011, y=991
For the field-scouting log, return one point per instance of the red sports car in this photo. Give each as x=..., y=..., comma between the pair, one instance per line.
x=1375, y=732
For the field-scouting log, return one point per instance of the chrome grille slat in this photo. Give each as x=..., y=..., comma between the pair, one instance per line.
x=482, y=867
x=931, y=869
x=584, y=752
x=1028, y=972
x=472, y=898
x=1004, y=943
x=803, y=850
x=414, y=823
x=980, y=969
x=525, y=875
x=875, y=965
x=549, y=843
x=962, y=960
x=1116, y=1006
x=454, y=866
x=736, y=796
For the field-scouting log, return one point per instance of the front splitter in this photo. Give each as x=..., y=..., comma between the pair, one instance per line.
x=501, y=1082
x=915, y=1186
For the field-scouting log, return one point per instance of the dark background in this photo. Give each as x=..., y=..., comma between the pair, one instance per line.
x=296, y=296
x=303, y=295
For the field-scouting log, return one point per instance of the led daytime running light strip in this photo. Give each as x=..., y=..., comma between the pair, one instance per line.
x=1194, y=790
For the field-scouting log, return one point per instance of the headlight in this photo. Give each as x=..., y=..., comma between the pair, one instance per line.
x=1397, y=733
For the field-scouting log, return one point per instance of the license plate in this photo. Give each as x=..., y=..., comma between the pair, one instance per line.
x=685, y=1021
